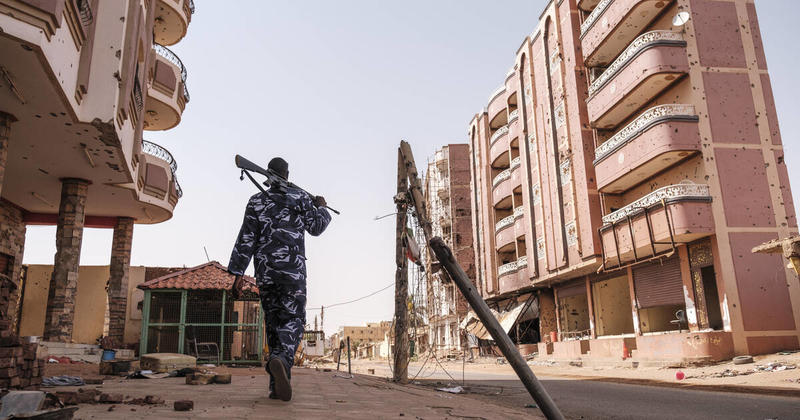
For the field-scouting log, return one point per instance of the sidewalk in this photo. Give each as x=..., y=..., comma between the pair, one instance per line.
x=317, y=395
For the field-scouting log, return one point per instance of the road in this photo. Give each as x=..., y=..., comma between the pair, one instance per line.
x=582, y=399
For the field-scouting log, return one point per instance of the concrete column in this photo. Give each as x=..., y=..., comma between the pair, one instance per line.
x=118, y=279
x=547, y=314
x=5, y=133
x=60, y=310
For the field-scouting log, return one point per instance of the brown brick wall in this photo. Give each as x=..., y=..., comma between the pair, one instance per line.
x=64, y=283
x=118, y=278
x=12, y=245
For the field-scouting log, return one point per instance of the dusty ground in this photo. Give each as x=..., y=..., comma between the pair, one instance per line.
x=785, y=382
x=317, y=394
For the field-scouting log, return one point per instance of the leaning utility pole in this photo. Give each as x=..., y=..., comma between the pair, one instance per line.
x=400, y=373
x=420, y=208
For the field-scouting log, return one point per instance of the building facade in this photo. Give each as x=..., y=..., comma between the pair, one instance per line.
x=623, y=172
x=447, y=198
x=82, y=80
x=372, y=332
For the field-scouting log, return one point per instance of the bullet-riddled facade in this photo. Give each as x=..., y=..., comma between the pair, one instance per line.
x=622, y=173
x=80, y=83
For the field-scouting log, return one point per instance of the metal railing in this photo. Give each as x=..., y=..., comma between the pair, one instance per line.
x=85, y=10
x=154, y=149
x=172, y=58
x=137, y=94
x=191, y=6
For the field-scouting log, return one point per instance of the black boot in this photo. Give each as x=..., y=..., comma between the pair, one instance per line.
x=283, y=387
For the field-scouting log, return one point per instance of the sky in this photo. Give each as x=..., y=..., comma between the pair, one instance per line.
x=332, y=87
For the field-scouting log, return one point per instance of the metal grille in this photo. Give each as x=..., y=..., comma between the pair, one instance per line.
x=165, y=308
x=187, y=321
x=162, y=339
x=85, y=10
x=204, y=307
x=241, y=344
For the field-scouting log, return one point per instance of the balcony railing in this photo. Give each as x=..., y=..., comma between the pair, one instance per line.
x=515, y=163
x=497, y=134
x=172, y=58
x=85, y=10
x=643, y=41
x=502, y=176
x=178, y=189
x=519, y=212
x=670, y=192
x=153, y=149
x=513, y=115
x=191, y=6
x=649, y=118
x=522, y=261
x=504, y=223
x=507, y=268
x=592, y=18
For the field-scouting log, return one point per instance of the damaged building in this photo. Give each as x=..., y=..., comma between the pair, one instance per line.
x=447, y=198
x=622, y=172
x=81, y=81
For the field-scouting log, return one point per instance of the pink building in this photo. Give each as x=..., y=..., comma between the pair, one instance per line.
x=623, y=171
x=80, y=81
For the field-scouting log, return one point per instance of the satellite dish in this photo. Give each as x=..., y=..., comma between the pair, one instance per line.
x=680, y=19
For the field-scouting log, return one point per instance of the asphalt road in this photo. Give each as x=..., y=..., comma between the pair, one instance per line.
x=582, y=399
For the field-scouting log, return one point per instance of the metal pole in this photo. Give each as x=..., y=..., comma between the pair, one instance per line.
x=339, y=357
x=523, y=371
x=349, y=370
x=400, y=373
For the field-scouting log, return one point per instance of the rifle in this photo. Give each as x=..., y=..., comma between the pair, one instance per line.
x=272, y=177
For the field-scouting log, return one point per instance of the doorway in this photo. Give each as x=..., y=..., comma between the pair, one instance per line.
x=712, y=297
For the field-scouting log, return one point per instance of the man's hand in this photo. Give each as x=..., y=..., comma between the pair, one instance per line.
x=236, y=290
x=319, y=201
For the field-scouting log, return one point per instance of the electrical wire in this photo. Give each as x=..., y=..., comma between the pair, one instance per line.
x=352, y=301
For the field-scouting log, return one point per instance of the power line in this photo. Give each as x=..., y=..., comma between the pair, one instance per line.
x=354, y=300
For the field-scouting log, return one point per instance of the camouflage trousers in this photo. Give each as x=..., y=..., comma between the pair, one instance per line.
x=285, y=315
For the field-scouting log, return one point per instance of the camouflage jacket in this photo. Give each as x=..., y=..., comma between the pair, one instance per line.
x=273, y=235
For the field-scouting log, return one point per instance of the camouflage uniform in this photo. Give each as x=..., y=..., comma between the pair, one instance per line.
x=273, y=235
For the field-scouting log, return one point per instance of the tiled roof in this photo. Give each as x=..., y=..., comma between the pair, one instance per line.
x=208, y=276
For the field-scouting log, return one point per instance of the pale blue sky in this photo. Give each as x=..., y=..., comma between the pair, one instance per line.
x=332, y=86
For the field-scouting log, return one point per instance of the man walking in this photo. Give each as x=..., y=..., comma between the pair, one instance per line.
x=273, y=235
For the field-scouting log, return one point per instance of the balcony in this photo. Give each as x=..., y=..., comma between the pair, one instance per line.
x=499, y=143
x=650, y=64
x=513, y=275
x=157, y=176
x=519, y=222
x=513, y=115
x=502, y=187
x=656, y=223
x=657, y=139
x=172, y=19
x=612, y=25
x=167, y=94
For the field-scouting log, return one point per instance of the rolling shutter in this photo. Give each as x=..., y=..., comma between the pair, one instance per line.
x=659, y=283
x=573, y=289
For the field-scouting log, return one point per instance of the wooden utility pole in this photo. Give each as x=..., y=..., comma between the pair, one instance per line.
x=417, y=199
x=400, y=373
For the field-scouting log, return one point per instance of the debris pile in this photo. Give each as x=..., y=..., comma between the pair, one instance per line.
x=775, y=367
x=19, y=366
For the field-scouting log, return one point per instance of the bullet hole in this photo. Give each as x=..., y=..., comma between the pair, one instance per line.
x=38, y=116
x=68, y=124
x=43, y=171
x=53, y=114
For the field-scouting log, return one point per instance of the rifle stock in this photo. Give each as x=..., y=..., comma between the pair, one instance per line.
x=246, y=165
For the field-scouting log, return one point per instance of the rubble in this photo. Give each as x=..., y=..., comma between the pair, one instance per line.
x=775, y=367
x=183, y=405
x=19, y=366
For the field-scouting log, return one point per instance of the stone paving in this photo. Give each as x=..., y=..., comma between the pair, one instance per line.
x=317, y=395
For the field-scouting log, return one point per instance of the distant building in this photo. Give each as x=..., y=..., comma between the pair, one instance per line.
x=81, y=81
x=372, y=332
x=448, y=200
x=624, y=169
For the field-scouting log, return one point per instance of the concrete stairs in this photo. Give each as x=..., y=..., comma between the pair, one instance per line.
x=78, y=352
